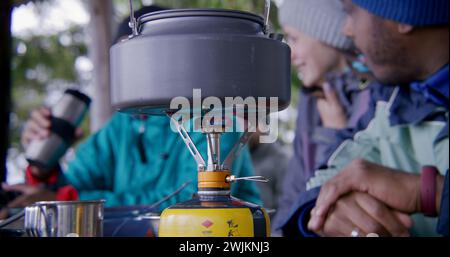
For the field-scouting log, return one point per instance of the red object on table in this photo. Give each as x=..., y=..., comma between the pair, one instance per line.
x=65, y=193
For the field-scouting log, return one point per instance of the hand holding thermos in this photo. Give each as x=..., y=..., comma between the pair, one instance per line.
x=50, y=132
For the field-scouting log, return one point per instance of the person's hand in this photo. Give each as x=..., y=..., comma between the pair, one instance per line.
x=330, y=109
x=364, y=214
x=29, y=195
x=38, y=128
x=398, y=190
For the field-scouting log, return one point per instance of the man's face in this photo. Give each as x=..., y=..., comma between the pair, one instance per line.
x=379, y=41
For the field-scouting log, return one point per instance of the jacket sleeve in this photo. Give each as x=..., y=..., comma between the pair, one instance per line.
x=294, y=183
x=443, y=216
x=295, y=224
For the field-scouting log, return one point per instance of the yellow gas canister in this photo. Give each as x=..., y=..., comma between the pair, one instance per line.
x=214, y=213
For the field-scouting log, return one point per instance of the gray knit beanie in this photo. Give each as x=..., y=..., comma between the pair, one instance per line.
x=319, y=19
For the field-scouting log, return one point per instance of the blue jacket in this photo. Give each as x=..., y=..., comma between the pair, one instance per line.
x=397, y=135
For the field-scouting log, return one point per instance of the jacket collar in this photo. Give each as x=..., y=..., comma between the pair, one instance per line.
x=435, y=88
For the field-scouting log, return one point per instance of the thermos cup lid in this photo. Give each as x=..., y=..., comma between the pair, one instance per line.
x=80, y=96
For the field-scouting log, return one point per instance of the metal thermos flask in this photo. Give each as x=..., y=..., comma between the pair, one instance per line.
x=66, y=115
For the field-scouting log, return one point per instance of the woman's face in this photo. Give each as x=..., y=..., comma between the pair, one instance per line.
x=312, y=58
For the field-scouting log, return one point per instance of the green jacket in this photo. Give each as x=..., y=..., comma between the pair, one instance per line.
x=110, y=166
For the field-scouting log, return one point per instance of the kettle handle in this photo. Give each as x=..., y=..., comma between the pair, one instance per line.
x=134, y=24
x=266, y=16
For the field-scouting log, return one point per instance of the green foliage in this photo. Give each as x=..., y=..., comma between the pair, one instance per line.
x=46, y=58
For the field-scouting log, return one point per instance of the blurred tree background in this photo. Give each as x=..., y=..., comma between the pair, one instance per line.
x=43, y=64
x=51, y=54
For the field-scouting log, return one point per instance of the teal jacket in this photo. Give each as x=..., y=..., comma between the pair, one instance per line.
x=110, y=166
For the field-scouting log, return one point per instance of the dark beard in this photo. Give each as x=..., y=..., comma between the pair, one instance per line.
x=388, y=55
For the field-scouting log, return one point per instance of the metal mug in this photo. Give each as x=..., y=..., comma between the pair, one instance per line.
x=65, y=219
